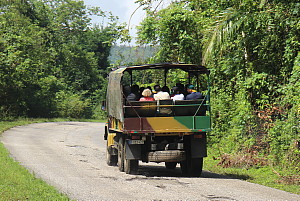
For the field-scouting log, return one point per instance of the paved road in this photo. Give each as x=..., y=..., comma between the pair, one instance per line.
x=71, y=157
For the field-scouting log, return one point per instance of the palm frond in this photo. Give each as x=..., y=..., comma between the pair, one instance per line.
x=227, y=26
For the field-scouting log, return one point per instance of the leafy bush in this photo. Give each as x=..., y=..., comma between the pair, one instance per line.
x=72, y=105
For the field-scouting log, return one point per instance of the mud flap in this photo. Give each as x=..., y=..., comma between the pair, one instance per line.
x=105, y=132
x=133, y=151
x=198, y=147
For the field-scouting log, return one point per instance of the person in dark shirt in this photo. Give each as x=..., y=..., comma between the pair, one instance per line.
x=134, y=95
x=192, y=93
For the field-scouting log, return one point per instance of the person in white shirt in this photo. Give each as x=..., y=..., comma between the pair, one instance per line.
x=177, y=94
x=160, y=95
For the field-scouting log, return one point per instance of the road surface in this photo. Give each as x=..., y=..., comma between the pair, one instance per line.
x=71, y=157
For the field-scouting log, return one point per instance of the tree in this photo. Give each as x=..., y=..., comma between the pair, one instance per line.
x=48, y=48
x=177, y=32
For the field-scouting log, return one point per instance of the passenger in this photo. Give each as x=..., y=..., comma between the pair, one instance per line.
x=165, y=89
x=180, y=86
x=155, y=87
x=177, y=94
x=134, y=95
x=126, y=90
x=147, y=95
x=192, y=93
x=160, y=95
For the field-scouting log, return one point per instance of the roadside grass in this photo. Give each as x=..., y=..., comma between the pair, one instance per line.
x=264, y=175
x=16, y=182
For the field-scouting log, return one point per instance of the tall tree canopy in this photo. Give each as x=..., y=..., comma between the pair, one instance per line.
x=52, y=60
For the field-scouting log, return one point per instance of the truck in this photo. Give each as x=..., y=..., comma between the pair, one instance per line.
x=138, y=131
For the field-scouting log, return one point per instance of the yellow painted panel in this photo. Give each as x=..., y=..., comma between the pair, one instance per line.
x=166, y=124
x=110, y=139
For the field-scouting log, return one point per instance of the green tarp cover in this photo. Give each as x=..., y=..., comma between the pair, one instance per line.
x=114, y=96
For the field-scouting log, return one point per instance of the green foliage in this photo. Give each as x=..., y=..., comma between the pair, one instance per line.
x=176, y=31
x=284, y=137
x=48, y=48
x=72, y=105
x=252, y=49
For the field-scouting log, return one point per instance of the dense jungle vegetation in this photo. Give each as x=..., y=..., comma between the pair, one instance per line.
x=53, y=61
x=252, y=48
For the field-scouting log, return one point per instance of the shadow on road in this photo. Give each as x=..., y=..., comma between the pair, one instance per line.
x=160, y=171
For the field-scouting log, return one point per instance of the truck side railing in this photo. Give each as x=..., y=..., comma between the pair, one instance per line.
x=165, y=108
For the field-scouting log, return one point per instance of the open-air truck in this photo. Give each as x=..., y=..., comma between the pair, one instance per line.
x=138, y=131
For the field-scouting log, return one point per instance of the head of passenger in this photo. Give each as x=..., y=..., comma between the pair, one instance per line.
x=126, y=90
x=135, y=88
x=176, y=90
x=190, y=88
x=157, y=88
x=180, y=86
x=134, y=95
x=165, y=89
x=147, y=95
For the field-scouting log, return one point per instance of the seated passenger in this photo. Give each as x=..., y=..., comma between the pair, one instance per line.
x=165, y=89
x=147, y=95
x=160, y=95
x=177, y=94
x=155, y=92
x=134, y=95
x=192, y=93
x=126, y=90
x=149, y=87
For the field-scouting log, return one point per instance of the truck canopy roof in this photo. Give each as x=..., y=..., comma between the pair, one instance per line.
x=114, y=96
x=167, y=66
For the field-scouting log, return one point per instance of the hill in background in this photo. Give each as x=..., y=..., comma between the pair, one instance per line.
x=126, y=55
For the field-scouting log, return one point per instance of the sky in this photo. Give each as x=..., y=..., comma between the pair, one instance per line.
x=123, y=9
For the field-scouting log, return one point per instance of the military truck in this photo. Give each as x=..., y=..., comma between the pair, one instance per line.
x=137, y=131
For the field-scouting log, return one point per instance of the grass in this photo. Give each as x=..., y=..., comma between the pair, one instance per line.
x=16, y=182
x=264, y=175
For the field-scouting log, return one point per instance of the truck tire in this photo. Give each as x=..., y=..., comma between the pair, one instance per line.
x=121, y=154
x=111, y=160
x=192, y=167
x=170, y=165
x=131, y=166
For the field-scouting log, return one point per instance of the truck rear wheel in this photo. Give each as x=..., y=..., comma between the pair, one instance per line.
x=121, y=154
x=131, y=166
x=170, y=165
x=192, y=167
x=111, y=160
